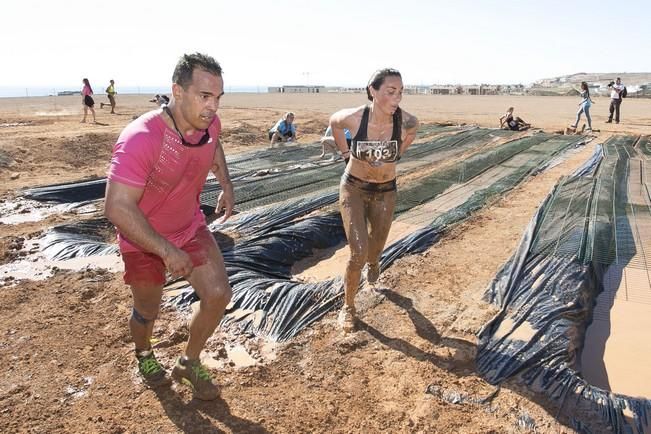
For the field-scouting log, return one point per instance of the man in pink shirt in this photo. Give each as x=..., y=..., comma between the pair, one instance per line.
x=159, y=165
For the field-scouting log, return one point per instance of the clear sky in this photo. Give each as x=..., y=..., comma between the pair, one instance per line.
x=338, y=42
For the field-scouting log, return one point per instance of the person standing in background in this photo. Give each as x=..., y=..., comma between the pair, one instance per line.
x=584, y=106
x=110, y=93
x=87, y=100
x=616, y=90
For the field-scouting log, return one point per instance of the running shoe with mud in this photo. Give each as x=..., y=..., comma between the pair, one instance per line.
x=373, y=273
x=150, y=370
x=195, y=375
x=347, y=318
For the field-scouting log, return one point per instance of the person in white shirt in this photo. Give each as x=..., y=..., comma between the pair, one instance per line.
x=615, y=100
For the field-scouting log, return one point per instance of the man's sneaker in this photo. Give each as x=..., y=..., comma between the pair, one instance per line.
x=609, y=121
x=346, y=319
x=150, y=370
x=373, y=273
x=194, y=374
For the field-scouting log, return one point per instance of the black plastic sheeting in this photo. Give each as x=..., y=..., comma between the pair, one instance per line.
x=260, y=221
x=259, y=267
x=68, y=192
x=300, y=220
x=546, y=296
x=264, y=300
x=267, y=163
x=79, y=239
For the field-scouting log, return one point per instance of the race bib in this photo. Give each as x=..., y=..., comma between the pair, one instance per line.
x=376, y=151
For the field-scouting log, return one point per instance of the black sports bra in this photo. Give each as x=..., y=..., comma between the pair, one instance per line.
x=376, y=152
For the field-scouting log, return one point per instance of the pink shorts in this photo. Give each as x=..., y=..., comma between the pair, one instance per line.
x=148, y=269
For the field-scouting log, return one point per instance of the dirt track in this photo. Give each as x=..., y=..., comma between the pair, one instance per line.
x=69, y=365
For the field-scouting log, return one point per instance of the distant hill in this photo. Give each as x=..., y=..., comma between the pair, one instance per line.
x=637, y=83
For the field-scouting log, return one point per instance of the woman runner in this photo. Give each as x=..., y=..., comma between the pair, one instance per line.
x=381, y=132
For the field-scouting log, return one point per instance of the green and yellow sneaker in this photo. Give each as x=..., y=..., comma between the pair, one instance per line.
x=151, y=371
x=194, y=374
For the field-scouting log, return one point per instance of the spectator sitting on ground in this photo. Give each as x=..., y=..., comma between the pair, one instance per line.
x=283, y=131
x=513, y=123
x=160, y=99
x=328, y=141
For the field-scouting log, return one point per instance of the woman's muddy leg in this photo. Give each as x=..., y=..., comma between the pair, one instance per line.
x=351, y=204
x=380, y=217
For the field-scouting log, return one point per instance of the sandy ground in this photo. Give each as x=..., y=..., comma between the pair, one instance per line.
x=65, y=343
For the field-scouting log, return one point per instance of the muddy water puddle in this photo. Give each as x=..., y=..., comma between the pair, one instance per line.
x=27, y=211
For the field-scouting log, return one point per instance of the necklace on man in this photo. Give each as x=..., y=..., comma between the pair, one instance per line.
x=204, y=139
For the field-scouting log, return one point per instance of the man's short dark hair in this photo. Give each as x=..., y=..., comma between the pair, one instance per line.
x=188, y=63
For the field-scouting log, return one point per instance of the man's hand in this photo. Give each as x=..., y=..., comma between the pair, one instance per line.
x=226, y=202
x=177, y=262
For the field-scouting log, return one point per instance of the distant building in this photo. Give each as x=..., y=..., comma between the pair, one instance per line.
x=490, y=89
x=343, y=89
x=442, y=89
x=416, y=90
x=296, y=89
x=69, y=92
x=474, y=89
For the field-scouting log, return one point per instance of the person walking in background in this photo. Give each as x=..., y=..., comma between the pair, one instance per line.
x=381, y=132
x=87, y=100
x=616, y=94
x=110, y=93
x=283, y=131
x=584, y=106
x=159, y=166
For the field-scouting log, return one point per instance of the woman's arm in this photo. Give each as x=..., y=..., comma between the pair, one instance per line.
x=344, y=119
x=410, y=127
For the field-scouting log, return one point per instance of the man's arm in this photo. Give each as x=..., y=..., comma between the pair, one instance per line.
x=121, y=208
x=410, y=126
x=226, y=200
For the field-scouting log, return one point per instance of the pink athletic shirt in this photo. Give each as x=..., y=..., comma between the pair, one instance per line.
x=149, y=155
x=85, y=91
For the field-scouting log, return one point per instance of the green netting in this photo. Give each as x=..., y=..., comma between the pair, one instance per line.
x=547, y=291
x=594, y=218
x=645, y=145
x=430, y=186
x=429, y=129
x=299, y=178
